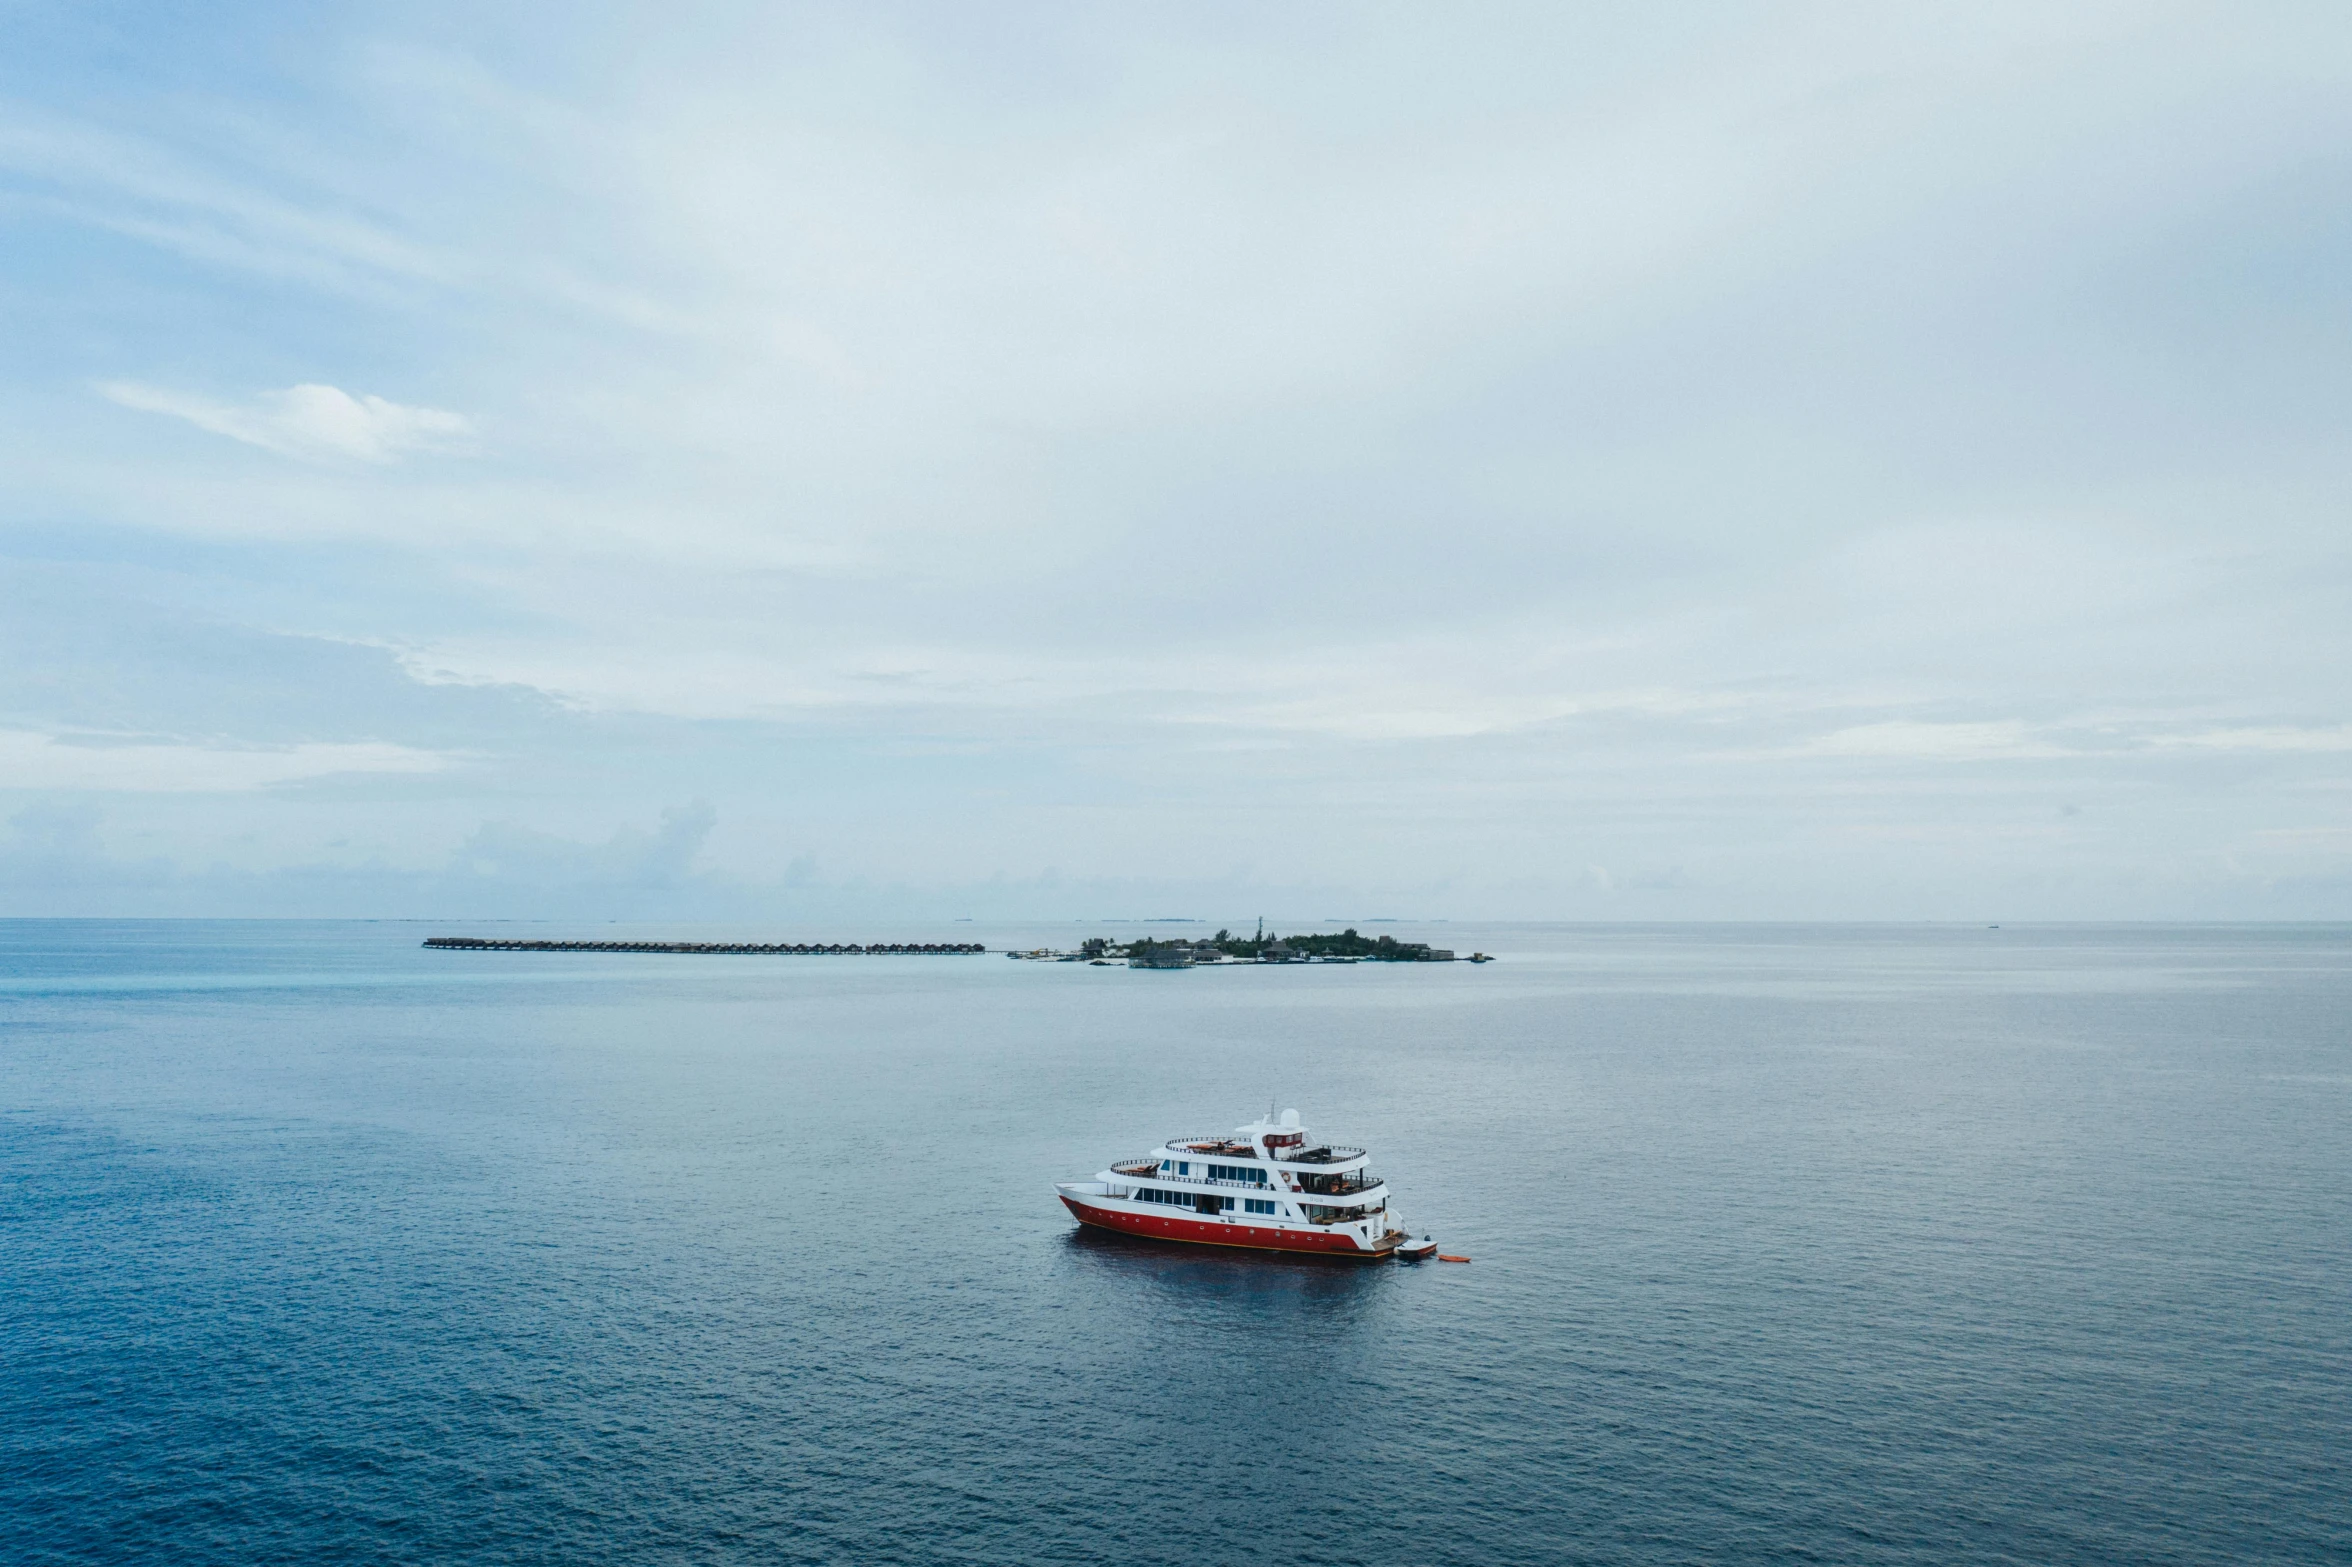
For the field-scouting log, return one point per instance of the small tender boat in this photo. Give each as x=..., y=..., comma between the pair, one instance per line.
x=1266, y=1187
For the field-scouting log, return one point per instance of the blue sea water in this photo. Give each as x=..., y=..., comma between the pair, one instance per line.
x=1864, y=1244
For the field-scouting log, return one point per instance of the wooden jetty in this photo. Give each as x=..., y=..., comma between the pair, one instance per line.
x=729, y=948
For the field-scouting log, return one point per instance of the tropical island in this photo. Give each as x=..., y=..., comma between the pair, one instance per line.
x=1345, y=946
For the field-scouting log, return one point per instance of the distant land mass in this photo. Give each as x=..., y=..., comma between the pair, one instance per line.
x=1346, y=944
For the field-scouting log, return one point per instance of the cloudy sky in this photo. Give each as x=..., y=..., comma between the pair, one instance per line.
x=1580, y=462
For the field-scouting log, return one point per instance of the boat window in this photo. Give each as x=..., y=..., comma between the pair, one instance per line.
x=1255, y=1205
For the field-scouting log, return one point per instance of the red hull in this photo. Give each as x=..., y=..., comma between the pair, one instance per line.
x=1195, y=1231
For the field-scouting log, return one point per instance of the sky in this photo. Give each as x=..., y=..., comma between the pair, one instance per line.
x=772, y=462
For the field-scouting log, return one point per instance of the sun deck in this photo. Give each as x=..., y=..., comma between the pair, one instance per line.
x=1340, y=1185
x=1325, y=1155
x=1227, y=1148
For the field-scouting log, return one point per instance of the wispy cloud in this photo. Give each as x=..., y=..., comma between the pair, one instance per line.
x=145, y=765
x=1958, y=742
x=310, y=421
x=284, y=225
x=2275, y=737
x=2111, y=738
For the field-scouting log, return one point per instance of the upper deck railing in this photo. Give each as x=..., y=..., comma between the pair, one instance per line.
x=1215, y=1147
x=1226, y=1148
x=1339, y=1185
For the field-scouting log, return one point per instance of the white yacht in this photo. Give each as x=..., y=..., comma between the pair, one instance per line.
x=1267, y=1187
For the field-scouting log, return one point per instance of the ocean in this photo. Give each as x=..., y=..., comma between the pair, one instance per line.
x=1867, y=1244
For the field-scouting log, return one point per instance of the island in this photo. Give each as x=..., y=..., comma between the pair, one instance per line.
x=1345, y=946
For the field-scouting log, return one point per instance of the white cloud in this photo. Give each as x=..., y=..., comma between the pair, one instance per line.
x=2009, y=739
x=30, y=760
x=2265, y=738
x=310, y=421
x=1960, y=742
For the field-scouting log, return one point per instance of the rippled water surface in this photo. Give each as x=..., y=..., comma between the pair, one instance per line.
x=1834, y=1244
